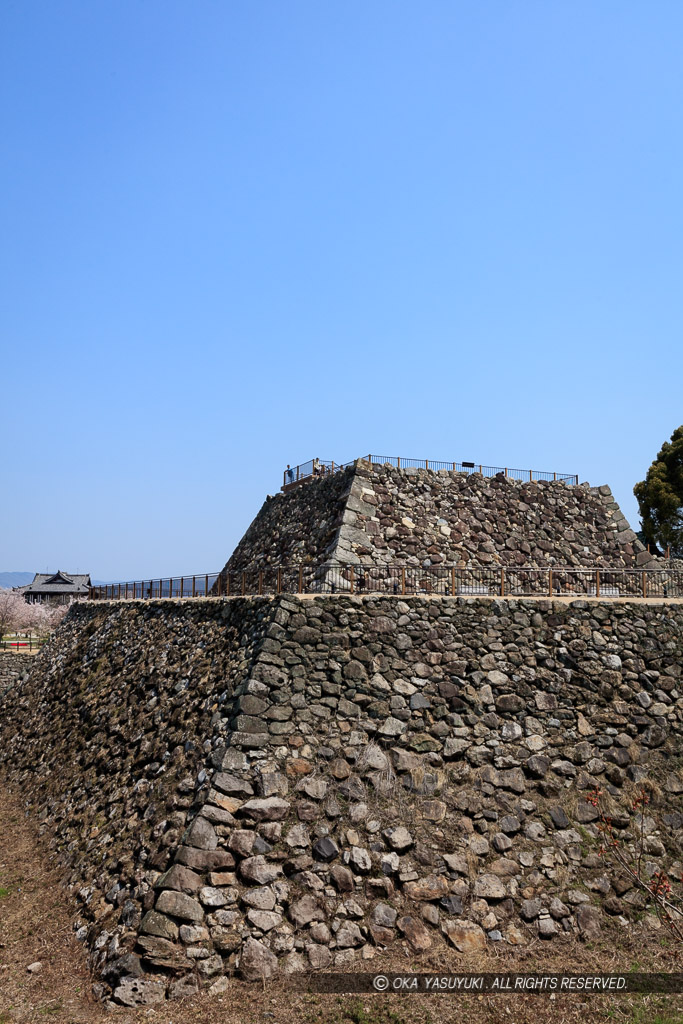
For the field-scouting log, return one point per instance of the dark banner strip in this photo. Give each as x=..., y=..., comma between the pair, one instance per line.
x=508, y=984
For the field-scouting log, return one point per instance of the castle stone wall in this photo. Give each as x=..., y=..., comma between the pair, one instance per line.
x=274, y=785
x=299, y=526
x=375, y=515
x=422, y=517
x=13, y=667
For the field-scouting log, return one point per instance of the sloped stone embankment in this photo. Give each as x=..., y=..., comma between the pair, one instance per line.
x=273, y=785
x=378, y=515
x=13, y=667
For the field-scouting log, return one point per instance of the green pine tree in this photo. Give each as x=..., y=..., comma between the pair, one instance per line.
x=660, y=497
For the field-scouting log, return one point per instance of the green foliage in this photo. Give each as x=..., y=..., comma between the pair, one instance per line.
x=654, y=1011
x=660, y=497
x=357, y=1013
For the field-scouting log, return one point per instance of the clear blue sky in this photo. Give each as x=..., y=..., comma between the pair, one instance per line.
x=236, y=235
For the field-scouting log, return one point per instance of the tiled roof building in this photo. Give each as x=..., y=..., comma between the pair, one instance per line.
x=59, y=587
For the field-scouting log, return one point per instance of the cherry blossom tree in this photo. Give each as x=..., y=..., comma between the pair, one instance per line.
x=14, y=612
x=16, y=615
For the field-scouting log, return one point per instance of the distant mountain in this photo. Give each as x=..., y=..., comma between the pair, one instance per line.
x=15, y=579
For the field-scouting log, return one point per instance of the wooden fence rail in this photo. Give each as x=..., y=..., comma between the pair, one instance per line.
x=442, y=580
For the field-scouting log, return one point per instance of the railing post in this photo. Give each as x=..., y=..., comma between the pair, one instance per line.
x=351, y=579
x=244, y=583
x=403, y=579
x=453, y=581
x=170, y=588
x=279, y=581
x=506, y=471
x=301, y=580
x=206, y=585
x=194, y=586
x=398, y=462
x=550, y=582
x=480, y=472
x=554, y=477
x=597, y=583
x=531, y=474
x=502, y=579
x=454, y=467
x=426, y=463
x=644, y=582
x=182, y=581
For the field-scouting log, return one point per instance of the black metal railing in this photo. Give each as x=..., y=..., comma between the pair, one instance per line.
x=442, y=580
x=27, y=643
x=294, y=475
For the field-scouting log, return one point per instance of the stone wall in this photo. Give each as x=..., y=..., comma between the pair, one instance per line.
x=13, y=667
x=422, y=517
x=263, y=785
x=375, y=515
x=107, y=738
x=299, y=526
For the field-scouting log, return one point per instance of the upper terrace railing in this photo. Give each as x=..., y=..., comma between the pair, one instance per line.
x=447, y=581
x=294, y=475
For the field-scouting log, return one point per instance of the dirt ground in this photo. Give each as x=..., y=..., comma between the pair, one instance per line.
x=36, y=916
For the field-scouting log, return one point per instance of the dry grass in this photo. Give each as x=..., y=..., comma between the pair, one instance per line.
x=36, y=924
